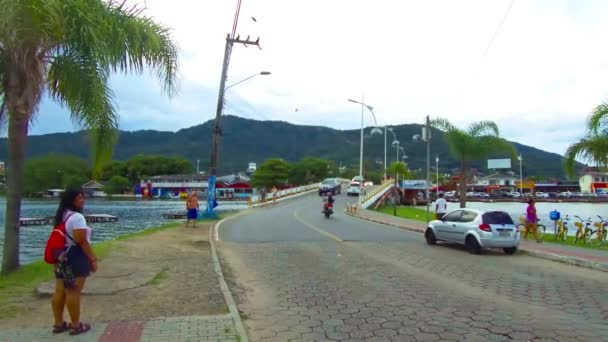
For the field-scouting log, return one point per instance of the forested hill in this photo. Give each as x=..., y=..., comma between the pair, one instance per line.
x=246, y=140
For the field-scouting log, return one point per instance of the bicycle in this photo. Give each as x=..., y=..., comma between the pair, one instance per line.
x=540, y=228
x=582, y=233
x=600, y=233
x=562, y=229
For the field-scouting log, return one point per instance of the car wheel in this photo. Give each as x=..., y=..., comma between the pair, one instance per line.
x=430, y=237
x=510, y=250
x=472, y=245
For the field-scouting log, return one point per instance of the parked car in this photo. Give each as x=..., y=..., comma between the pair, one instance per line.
x=541, y=194
x=330, y=185
x=354, y=189
x=476, y=229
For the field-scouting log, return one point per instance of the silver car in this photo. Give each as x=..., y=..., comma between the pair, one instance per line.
x=476, y=229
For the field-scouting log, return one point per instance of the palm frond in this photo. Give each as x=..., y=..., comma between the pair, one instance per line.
x=598, y=119
x=443, y=124
x=137, y=41
x=82, y=85
x=592, y=148
x=483, y=128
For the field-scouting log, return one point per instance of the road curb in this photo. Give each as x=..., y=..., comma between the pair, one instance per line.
x=543, y=255
x=217, y=267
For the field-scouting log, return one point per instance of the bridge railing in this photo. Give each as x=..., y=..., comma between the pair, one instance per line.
x=281, y=194
x=369, y=196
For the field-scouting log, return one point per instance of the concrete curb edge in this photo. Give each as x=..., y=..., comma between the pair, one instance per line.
x=548, y=256
x=232, y=307
x=270, y=202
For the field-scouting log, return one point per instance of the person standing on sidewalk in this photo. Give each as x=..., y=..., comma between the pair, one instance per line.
x=531, y=221
x=441, y=207
x=80, y=262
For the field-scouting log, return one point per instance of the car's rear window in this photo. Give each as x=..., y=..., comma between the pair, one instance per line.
x=497, y=217
x=354, y=184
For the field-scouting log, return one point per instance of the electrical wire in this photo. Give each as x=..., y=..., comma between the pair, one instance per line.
x=504, y=18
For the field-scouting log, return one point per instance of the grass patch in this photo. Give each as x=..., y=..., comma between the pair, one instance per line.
x=406, y=212
x=25, y=280
x=159, y=277
x=550, y=238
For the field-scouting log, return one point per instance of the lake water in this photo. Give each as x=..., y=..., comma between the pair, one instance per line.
x=133, y=216
x=584, y=210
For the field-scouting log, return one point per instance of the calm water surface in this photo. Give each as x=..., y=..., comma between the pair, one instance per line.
x=132, y=216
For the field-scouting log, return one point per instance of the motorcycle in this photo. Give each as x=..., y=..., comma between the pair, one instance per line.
x=328, y=208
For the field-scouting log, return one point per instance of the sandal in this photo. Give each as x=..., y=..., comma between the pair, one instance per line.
x=82, y=328
x=58, y=329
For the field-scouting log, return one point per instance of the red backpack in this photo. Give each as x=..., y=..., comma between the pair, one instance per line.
x=55, y=245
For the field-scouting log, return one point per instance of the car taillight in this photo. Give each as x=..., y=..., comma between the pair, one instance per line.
x=485, y=227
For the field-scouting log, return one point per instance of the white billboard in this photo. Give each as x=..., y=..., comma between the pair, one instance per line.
x=494, y=164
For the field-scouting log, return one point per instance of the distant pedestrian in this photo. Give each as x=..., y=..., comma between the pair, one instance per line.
x=441, y=207
x=80, y=261
x=531, y=221
x=192, y=206
x=274, y=193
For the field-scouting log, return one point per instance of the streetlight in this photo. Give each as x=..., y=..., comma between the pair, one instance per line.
x=217, y=129
x=437, y=169
x=263, y=73
x=521, y=177
x=371, y=110
x=426, y=137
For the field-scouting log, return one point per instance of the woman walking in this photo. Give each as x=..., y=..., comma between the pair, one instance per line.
x=71, y=274
x=531, y=221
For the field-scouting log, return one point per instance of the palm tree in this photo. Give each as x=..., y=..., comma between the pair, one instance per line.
x=480, y=140
x=67, y=49
x=398, y=169
x=594, y=146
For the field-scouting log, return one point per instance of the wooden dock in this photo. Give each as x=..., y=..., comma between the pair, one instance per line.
x=175, y=216
x=50, y=220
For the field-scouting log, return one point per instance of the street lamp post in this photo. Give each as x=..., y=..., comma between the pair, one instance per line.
x=371, y=110
x=437, y=169
x=521, y=176
x=263, y=73
x=217, y=129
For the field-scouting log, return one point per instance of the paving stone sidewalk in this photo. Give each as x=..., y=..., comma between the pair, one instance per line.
x=569, y=254
x=177, y=329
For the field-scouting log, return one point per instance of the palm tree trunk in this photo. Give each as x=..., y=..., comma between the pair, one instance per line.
x=463, y=184
x=17, y=138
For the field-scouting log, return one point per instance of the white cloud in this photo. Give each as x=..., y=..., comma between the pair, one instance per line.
x=544, y=72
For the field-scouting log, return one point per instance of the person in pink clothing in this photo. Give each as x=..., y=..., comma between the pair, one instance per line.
x=531, y=221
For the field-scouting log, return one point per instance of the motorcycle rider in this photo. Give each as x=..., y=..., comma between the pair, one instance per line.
x=329, y=201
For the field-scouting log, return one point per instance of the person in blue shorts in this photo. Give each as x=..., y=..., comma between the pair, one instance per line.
x=192, y=207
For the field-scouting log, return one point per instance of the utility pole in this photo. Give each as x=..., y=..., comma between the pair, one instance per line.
x=427, y=136
x=217, y=128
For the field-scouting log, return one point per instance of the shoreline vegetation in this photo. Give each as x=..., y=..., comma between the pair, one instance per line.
x=27, y=277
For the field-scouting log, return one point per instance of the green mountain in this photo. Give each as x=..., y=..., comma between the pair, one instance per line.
x=246, y=140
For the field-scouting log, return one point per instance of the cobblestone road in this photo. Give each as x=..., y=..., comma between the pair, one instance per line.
x=365, y=282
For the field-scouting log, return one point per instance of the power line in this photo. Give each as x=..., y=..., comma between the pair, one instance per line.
x=504, y=18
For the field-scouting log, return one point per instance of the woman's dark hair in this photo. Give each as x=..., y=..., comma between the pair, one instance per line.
x=67, y=203
x=530, y=200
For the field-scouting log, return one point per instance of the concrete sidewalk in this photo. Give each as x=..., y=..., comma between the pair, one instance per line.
x=594, y=259
x=187, y=328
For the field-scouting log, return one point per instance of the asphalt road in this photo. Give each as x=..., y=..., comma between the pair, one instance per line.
x=301, y=277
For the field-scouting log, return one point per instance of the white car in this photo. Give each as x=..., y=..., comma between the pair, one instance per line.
x=476, y=229
x=368, y=183
x=541, y=194
x=354, y=189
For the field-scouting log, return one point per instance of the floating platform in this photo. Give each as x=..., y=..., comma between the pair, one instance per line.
x=49, y=220
x=100, y=218
x=175, y=216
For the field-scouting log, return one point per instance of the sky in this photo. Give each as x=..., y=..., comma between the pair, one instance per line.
x=538, y=76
